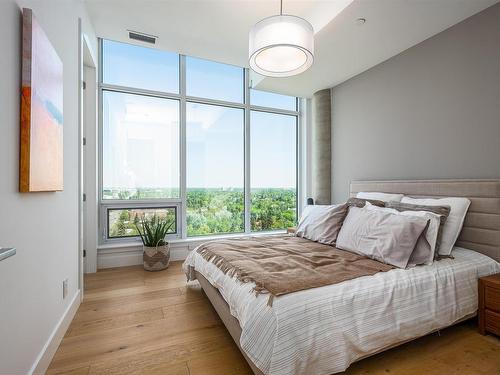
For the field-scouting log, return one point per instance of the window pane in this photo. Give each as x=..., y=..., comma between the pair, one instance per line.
x=272, y=171
x=208, y=79
x=215, y=169
x=140, y=67
x=123, y=222
x=140, y=147
x=272, y=100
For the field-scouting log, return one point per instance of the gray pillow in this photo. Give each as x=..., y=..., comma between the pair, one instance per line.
x=321, y=223
x=382, y=236
x=442, y=211
x=360, y=202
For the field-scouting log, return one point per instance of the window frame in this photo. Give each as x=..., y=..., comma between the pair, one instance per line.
x=138, y=207
x=181, y=203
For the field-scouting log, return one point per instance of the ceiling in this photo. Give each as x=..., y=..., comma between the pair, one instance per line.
x=218, y=30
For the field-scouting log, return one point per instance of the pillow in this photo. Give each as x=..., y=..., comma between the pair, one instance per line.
x=442, y=211
x=385, y=197
x=358, y=202
x=425, y=248
x=454, y=223
x=382, y=236
x=321, y=223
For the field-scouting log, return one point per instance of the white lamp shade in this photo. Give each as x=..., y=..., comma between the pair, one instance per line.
x=281, y=46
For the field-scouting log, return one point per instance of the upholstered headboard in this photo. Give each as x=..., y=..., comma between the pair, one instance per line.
x=481, y=231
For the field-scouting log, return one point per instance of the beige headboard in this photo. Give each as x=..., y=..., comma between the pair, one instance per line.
x=481, y=231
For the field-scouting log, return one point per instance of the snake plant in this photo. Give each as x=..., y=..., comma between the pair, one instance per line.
x=154, y=229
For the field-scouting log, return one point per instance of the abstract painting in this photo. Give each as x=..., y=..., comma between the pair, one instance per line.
x=41, y=147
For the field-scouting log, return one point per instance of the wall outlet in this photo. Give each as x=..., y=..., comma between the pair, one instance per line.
x=65, y=288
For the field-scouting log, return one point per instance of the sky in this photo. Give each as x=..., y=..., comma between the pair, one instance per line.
x=144, y=131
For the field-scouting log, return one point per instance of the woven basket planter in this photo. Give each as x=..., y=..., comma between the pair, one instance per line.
x=156, y=258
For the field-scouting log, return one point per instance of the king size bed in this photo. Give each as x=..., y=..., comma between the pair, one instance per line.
x=322, y=328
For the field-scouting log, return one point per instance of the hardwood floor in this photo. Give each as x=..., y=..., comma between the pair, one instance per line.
x=138, y=322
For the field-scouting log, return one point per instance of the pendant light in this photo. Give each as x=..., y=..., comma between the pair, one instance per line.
x=281, y=45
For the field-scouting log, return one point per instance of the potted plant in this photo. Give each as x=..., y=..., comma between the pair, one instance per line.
x=156, y=251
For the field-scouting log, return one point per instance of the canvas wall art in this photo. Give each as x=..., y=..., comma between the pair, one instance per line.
x=41, y=148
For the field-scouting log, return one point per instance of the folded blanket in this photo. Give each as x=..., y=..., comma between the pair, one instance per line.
x=285, y=264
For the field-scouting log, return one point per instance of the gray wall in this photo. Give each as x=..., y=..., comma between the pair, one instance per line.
x=432, y=111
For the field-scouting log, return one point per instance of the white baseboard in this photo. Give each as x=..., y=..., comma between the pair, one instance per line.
x=90, y=267
x=121, y=257
x=43, y=360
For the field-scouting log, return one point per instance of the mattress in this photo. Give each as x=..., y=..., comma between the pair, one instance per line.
x=323, y=330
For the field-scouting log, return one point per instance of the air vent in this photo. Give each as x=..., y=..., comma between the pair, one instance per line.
x=142, y=37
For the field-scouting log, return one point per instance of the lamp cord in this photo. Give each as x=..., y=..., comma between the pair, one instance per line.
x=281, y=7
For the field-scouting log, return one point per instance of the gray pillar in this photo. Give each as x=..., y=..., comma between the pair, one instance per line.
x=321, y=147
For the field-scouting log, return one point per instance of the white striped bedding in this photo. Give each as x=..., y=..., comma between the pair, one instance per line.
x=323, y=330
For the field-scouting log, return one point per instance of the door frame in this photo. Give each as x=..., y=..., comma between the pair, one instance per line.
x=84, y=48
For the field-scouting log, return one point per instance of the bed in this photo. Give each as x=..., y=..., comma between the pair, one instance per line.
x=323, y=330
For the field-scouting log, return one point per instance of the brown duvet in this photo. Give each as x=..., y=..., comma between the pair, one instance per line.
x=285, y=264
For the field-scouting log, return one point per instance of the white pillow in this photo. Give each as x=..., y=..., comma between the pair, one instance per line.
x=454, y=223
x=385, y=197
x=321, y=223
x=383, y=236
x=425, y=248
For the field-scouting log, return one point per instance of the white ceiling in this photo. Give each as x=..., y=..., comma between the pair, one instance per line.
x=218, y=30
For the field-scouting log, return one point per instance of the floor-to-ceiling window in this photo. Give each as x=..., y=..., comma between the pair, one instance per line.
x=186, y=138
x=214, y=169
x=273, y=170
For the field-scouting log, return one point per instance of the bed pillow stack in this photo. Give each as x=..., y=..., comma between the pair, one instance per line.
x=451, y=223
x=425, y=248
x=382, y=234
x=321, y=223
x=444, y=216
x=390, y=228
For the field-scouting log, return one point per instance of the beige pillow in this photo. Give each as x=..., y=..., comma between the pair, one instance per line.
x=321, y=223
x=382, y=236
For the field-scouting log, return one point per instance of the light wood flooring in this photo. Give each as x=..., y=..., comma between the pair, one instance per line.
x=137, y=322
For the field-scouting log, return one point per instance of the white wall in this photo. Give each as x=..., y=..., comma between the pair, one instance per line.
x=431, y=112
x=42, y=226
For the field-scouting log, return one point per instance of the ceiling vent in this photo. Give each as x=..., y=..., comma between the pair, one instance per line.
x=142, y=37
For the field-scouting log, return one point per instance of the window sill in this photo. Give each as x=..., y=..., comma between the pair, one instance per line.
x=187, y=241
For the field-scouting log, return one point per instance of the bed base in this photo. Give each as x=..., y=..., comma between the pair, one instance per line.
x=222, y=308
x=234, y=329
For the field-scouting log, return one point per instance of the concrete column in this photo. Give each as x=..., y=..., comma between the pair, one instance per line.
x=321, y=148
